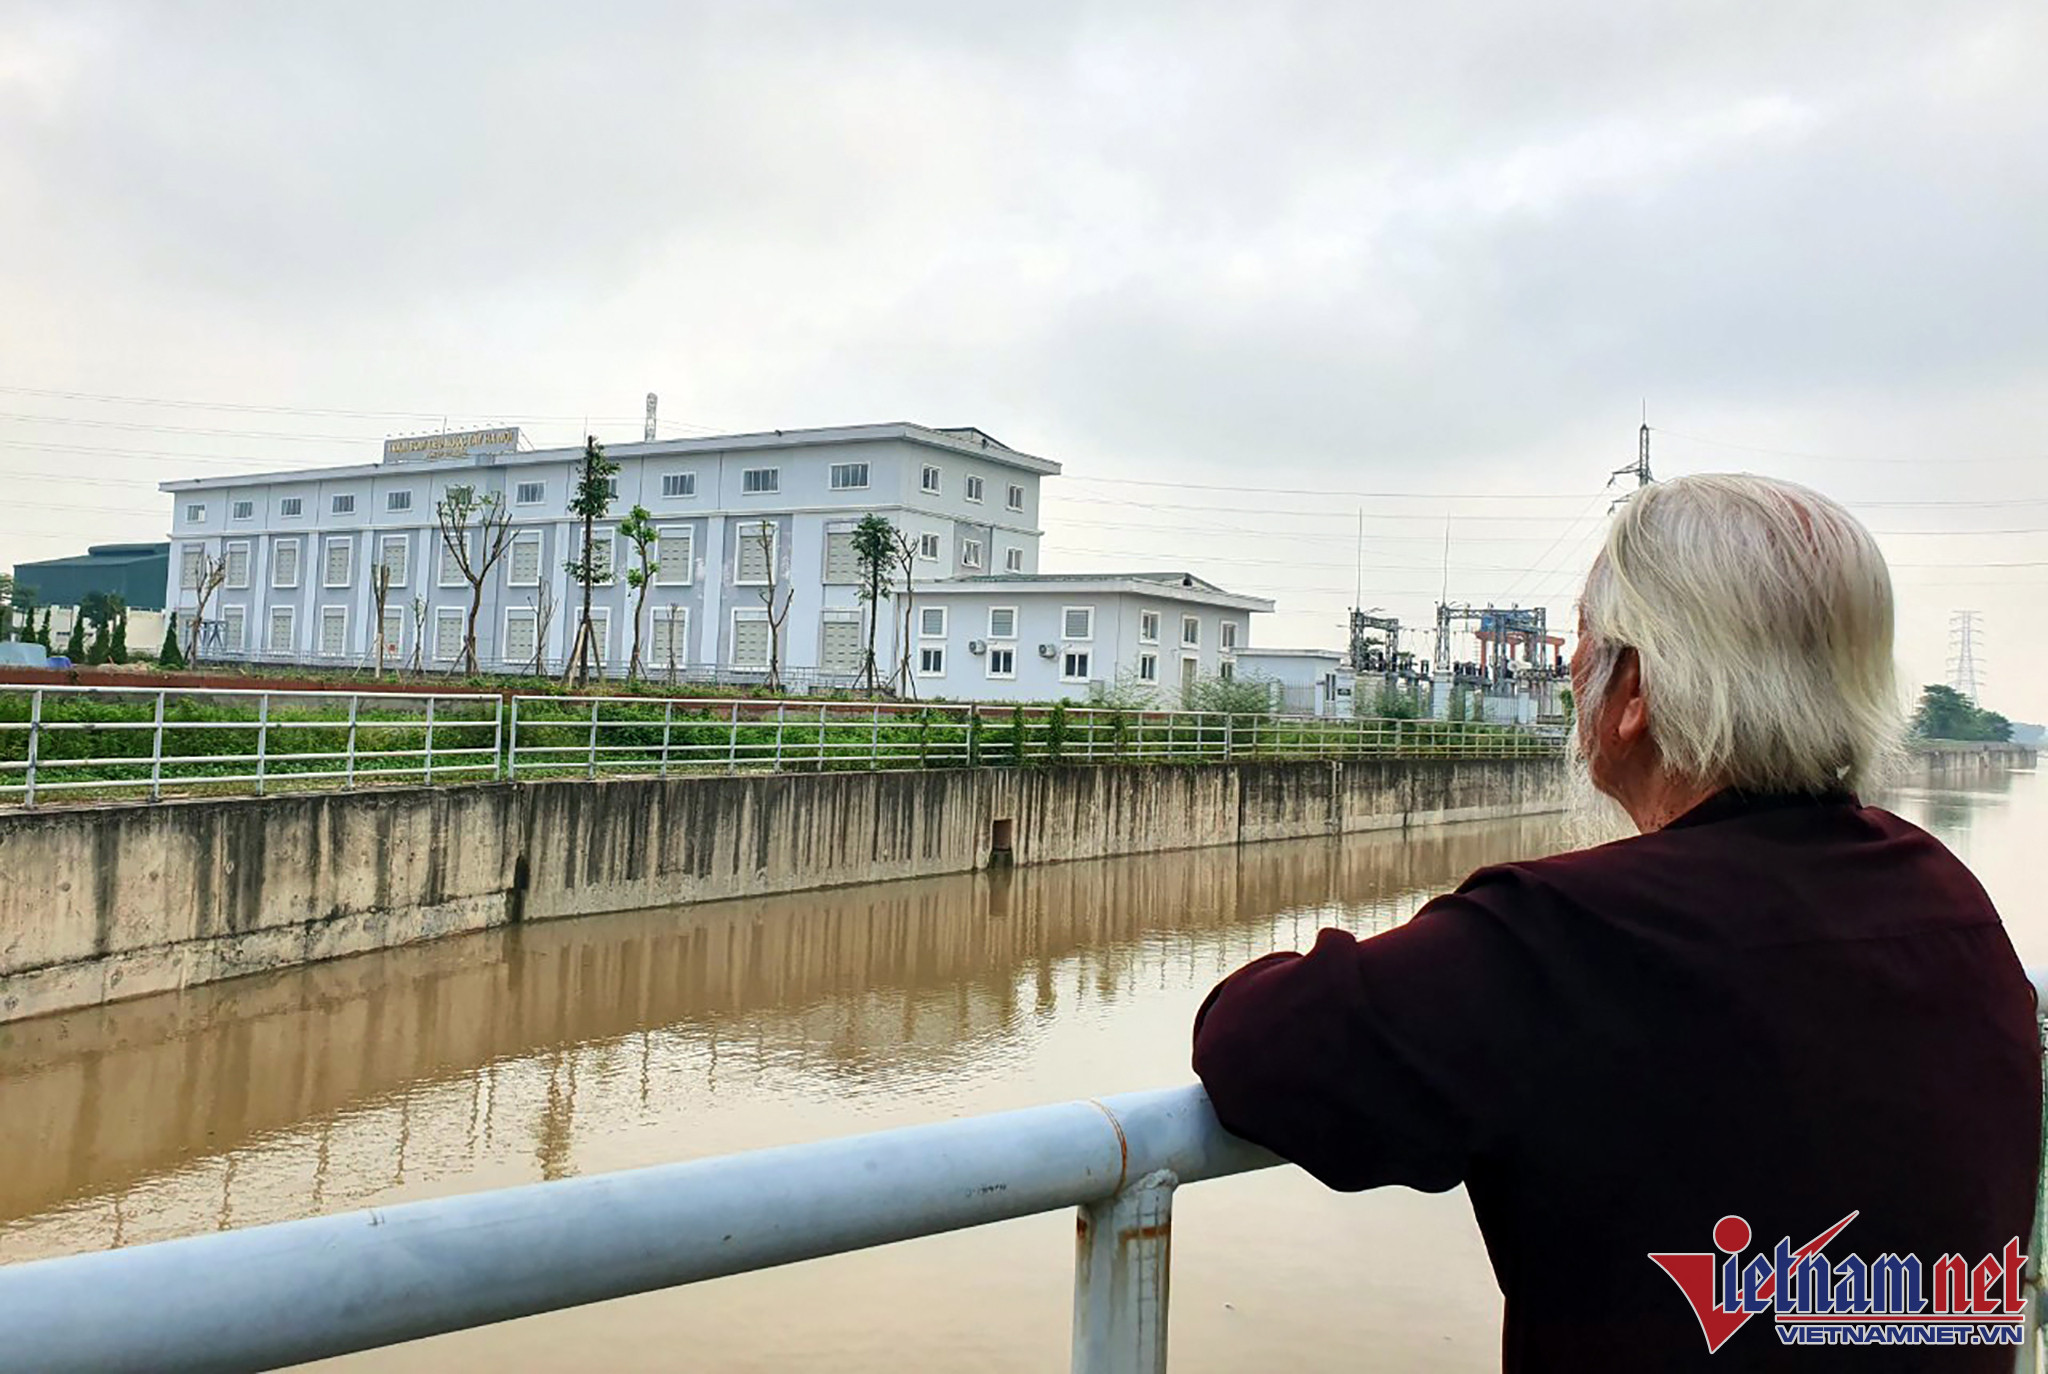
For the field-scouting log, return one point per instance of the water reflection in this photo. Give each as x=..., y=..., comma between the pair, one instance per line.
x=302, y=1092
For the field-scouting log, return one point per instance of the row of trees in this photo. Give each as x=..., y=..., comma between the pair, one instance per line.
x=1945, y=713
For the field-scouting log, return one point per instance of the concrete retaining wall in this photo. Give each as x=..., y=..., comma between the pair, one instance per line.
x=1953, y=760
x=150, y=898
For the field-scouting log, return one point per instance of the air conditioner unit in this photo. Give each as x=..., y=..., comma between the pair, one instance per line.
x=1048, y=651
x=977, y=646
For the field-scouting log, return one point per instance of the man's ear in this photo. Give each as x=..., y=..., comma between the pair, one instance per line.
x=1625, y=691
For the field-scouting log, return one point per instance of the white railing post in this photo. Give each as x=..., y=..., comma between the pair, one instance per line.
x=1122, y=1250
x=668, y=716
x=156, y=753
x=1227, y=736
x=590, y=769
x=355, y=702
x=35, y=736
x=428, y=749
x=732, y=746
x=875, y=740
x=821, y=737
x=497, y=735
x=262, y=740
x=512, y=753
x=780, y=714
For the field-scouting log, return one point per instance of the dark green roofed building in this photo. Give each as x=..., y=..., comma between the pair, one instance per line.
x=137, y=573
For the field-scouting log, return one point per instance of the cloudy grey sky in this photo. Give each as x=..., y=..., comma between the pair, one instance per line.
x=1247, y=270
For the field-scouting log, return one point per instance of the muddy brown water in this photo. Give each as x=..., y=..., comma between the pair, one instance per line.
x=579, y=1046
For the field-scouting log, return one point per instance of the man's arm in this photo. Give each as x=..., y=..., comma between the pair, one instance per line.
x=1394, y=1059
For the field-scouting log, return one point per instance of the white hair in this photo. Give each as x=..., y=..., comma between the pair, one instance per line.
x=1761, y=616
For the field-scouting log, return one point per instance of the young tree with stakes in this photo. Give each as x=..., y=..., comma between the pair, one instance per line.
x=380, y=593
x=639, y=531
x=591, y=502
x=874, y=554
x=906, y=559
x=776, y=598
x=211, y=573
x=476, y=530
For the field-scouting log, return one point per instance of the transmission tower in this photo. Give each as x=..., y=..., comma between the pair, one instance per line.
x=1962, y=653
x=1640, y=469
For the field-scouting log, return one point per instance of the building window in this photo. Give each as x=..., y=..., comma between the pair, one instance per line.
x=931, y=622
x=333, y=631
x=398, y=500
x=675, y=556
x=842, y=564
x=394, y=551
x=284, y=563
x=973, y=487
x=928, y=547
x=394, y=631
x=195, y=514
x=1002, y=622
x=1013, y=560
x=750, y=639
x=340, y=565
x=611, y=487
x=238, y=564
x=280, y=640
x=529, y=494
x=841, y=649
x=1190, y=631
x=1016, y=501
x=447, y=634
x=234, y=629
x=849, y=476
x=1227, y=671
x=524, y=568
x=756, y=555
x=677, y=485
x=604, y=560
x=1002, y=661
x=520, y=639
x=929, y=482
x=1228, y=631
x=1074, y=666
x=344, y=504
x=931, y=660
x=291, y=507
x=451, y=566
x=970, y=553
x=242, y=510
x=669, y=636
x=1077, y=622
x=1148, y=627
x=1148, y=667
x=600, y=635
x=191, y=564
x=760, y=481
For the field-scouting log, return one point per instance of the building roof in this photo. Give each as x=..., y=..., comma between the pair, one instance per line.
x=963, y=441
x=1261, y=651
x=103, y=556
x=1170, y=586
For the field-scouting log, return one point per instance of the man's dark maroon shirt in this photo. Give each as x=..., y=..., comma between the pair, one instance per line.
x=1782, y=1008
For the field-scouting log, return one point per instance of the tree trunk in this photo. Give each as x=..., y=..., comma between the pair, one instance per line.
x=476, y=605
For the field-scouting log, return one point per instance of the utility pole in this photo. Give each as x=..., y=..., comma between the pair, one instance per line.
x=648, y=433
x=1640, y=469
x=1962, y=653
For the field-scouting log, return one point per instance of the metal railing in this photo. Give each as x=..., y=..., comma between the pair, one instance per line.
x=324, y=1286
x=123, y=742
x=129, y=742
x=304, y=1290
x=596, y=735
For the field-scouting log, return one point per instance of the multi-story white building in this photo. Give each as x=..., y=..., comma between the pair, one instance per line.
x=299, y=548
x=1038, y=637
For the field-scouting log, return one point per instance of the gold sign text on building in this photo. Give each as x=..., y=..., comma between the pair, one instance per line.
x=464, y=444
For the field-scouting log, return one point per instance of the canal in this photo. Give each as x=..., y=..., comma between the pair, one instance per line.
x=604, y=1043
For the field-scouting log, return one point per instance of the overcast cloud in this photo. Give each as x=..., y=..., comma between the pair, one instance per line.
x=1255, y=251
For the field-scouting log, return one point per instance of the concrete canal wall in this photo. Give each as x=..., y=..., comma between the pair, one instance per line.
x=1951, y=761
x=103, y=903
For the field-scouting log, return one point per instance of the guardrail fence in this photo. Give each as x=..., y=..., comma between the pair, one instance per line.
x=140, y=742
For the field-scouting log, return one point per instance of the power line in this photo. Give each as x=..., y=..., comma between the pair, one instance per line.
x=1834, y=457
x=1325, y=491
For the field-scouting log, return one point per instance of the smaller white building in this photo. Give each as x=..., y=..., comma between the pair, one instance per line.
x=1147, y=637
x=1306, y=682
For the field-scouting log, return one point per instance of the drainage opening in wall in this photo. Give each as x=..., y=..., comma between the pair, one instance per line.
x=1002, y=833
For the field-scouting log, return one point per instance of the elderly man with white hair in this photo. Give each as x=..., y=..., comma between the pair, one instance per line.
x=1773, y=1009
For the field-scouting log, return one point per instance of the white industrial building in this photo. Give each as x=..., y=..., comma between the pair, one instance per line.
x=737, y=514
x=1304, y=682
x=1044, y=637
